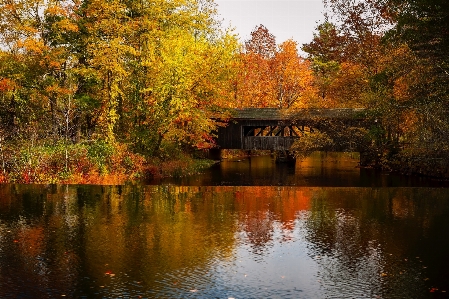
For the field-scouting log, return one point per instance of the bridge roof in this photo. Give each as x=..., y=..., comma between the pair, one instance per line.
x=291, y=114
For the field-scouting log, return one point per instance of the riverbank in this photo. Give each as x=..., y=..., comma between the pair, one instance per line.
x=91, y=163
x=425, y=164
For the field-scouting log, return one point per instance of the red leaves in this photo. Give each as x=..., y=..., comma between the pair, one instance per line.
x=6, y=85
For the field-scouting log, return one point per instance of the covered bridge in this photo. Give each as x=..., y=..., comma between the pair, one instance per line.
x=276, y=129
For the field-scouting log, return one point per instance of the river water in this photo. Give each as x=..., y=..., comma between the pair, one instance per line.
x=322, y=228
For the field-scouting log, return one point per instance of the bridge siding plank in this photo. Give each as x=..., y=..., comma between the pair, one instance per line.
x=268, y=143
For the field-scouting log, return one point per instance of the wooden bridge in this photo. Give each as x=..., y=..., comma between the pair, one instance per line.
x=275, y=129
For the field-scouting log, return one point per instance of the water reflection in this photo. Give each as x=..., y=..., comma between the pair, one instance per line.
x=221, y=242
x=321, y=169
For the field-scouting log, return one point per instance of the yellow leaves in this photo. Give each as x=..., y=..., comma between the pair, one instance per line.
x=32, y=45
x=55, y=10
x=67, y=25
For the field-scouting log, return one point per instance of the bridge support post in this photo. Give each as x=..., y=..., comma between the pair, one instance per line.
x=215, y=154
x=285, y=157
x=368, y=158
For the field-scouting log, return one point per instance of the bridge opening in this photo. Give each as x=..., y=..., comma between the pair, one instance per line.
x=275, y=131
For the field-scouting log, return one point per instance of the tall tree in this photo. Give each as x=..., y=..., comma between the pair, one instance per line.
x=292, y=77
x=262, y=42
x=271, y=75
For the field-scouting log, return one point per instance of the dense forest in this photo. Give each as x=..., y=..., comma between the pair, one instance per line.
x=108, y=91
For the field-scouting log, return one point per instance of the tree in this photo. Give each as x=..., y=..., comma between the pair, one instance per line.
x=340, y=78
x=271, y=75
x=90, y=63
x=397, y=54
x=292, y=77
x=262, y=42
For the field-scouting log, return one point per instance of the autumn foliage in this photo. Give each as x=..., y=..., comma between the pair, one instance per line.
x=151, y=76
x=272, y=75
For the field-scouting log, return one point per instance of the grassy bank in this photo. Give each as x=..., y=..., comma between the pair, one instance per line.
x=94, y=162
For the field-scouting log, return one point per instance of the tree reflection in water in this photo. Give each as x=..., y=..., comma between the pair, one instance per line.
x=201, y=242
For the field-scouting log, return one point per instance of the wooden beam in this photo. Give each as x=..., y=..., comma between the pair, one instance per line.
x=293, y=132
x=270, y=133
x=261, y=131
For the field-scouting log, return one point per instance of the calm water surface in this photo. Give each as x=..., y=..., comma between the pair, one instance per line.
x=320, y=169
x=356, y=237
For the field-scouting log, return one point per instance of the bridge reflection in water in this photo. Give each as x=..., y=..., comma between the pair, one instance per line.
x=334, y=169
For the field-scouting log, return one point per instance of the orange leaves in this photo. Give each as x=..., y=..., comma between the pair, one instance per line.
x=32, y=45
x=261, y=43
x=270, y=77
x=254, y=85
x=408, y=123
x=67, y=26
x=57, y=89
x=293, y=77
x=6, y=85
x=55, y=10
x=401, y=89
x=348, y=85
